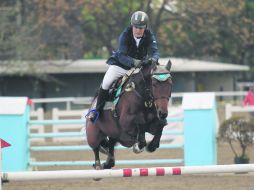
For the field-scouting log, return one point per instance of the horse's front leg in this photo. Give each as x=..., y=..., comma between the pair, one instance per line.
x=155, y=143
x=110, y=162
x=141, y=140
x=104, y=146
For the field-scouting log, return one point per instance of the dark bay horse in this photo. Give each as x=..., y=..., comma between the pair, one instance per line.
x=142, y=107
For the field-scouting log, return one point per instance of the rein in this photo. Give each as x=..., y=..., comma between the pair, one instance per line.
x=148, y=98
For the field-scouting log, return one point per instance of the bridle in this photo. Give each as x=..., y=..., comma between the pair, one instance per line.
x=149, y=98
x=161, y=97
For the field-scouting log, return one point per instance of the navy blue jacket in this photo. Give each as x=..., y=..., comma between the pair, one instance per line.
x=127, y=49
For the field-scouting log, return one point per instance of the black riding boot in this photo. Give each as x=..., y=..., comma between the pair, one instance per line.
x=101, y=100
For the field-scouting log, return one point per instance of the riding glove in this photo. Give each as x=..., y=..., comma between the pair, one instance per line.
x=136, y=62
x=153, y=61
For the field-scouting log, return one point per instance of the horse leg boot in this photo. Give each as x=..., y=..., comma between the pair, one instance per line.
x=101, y=100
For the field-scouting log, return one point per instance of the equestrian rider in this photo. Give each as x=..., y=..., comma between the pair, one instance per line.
x=136, y=43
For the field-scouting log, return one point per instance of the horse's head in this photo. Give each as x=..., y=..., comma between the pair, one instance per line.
x=161, y=90
x=153, y=84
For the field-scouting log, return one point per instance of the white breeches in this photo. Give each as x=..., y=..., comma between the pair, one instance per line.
x=114, y=72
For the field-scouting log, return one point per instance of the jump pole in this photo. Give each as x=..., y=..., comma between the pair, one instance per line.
x=128, y=172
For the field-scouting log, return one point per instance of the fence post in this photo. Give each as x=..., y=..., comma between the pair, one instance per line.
x=200, y=126
x=228, y=111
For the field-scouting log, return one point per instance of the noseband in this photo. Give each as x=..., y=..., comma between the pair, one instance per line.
x=161, y=97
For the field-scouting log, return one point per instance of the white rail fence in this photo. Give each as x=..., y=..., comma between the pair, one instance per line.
x=37, y=115
x=78, y=114
x=230, y=109
x=67, y=114
x=69, y=101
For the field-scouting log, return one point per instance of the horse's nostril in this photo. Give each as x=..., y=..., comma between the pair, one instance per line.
x=163, y=115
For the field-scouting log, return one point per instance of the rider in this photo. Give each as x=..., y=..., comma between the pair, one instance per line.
x=136, y=43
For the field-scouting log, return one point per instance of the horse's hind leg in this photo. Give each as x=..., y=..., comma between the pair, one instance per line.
x=97, y=164
x=110, y=162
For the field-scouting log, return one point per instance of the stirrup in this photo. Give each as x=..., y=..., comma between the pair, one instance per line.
x=93, y=115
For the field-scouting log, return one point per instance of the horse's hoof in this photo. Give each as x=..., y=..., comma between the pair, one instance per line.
x=136, y=148
x=97, y=167
x=150, y=147
x=142, y=145
x=108, y=164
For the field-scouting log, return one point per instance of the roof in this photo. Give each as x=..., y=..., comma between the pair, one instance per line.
x=100, y=66
x=187, y=65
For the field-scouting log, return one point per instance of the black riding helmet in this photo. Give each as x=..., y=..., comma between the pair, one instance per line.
x=139, y=19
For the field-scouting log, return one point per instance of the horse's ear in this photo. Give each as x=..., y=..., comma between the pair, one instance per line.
x=168, y=66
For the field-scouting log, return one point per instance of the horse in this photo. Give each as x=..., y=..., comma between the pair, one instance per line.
x=142, y=107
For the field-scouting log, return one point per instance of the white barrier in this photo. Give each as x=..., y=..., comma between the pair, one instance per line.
x=229, y=109
x=37, y=115
x=127, y=172
x=63, y=114
x=68, y=101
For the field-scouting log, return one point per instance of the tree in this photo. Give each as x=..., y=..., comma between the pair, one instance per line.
x=103, y=21
x=221, y=30
x=7, y=30
x=61, y=34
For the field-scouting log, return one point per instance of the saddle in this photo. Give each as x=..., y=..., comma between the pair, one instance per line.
x=116, y=89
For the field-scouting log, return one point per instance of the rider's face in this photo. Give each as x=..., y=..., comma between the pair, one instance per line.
x=137, y=32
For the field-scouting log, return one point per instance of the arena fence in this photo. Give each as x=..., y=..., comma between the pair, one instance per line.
x=200, y=126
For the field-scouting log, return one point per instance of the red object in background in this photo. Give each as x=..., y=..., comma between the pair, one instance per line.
x=29, y=102
x=4, y=143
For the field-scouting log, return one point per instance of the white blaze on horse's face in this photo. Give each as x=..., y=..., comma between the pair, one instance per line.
x=138, y=32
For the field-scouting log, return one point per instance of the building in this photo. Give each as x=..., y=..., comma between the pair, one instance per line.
x=82, y=77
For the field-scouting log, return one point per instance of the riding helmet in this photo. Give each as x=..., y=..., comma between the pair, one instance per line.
x=139, y=19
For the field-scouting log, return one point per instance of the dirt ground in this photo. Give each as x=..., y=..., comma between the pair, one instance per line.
x=207, y=182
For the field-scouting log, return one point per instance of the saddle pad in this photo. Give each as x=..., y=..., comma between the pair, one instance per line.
x=125, y=77
x=109, y=106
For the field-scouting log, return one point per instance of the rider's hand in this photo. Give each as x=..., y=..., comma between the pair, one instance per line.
x=137, y=62
x=153, y=61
